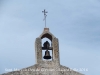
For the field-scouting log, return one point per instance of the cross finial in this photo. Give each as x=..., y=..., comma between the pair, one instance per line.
x=45, y=16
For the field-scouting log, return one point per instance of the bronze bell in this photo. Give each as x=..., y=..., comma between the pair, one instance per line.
x=47, y=55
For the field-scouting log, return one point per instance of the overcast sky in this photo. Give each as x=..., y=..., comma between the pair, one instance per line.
x=76, y=23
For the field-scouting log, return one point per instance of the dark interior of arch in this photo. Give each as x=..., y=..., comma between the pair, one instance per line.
x=47, y=36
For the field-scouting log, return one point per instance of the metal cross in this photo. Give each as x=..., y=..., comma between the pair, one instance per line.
x=44, y=16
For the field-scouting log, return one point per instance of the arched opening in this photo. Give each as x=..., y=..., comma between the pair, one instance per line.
x=44, y=39
x=47, y=35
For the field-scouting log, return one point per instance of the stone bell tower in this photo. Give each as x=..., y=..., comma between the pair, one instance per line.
x=54, y=47
x=47, y=64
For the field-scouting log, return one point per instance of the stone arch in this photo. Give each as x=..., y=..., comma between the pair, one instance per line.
x=47, y=35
